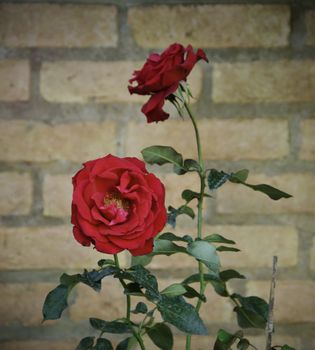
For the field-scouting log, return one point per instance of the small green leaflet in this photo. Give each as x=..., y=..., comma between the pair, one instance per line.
x=206, y=253
x=140, y=308
x=114, y=327
x=161, y=335
x=216, y=179
x=174, y=290
x=165, y=247
x=85, y=344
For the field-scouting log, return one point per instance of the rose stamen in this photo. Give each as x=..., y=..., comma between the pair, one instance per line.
x=120, y=203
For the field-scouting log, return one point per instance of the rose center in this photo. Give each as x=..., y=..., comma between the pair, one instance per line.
x=116, y=200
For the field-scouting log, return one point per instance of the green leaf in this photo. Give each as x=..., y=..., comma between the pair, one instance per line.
x=253, y=312
x=286, y=347
x=230, y=274
x=196, y=278
x=192, y=293
x=114, y=327
x=182, y=315
x=224, y=340
x=55, y=302
x=215, y=238
x=223, y=248
x=85, y=344
x=270, y=191
x=104, y=262
x=216, y=179
x=125, y=344
x=143, y=260
x=94, y=278
x=69, y=280
x=165, y=247
x=140, y=308
x=103, y=344
x=220, y=288
x=174, y=290
x=169, y=236
x=206, y=253
x=239, y=176
x=161, y=336
x=174, y=213
x=243, y=344
x=133, y=289
x=145, y=279
x=162, y=155
x=189, y=195
x=191, y=164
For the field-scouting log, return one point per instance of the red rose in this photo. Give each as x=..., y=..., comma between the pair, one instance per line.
x=160, y=77
x=117, y=205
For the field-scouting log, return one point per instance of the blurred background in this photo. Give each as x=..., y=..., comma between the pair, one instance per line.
x=64, y=69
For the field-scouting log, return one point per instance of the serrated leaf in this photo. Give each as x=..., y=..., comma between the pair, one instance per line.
x=174, y=290
x=85, y=343
x=243, y=344
x=103, y=344
x=169, y=236
x=196, y=278
x=55, y=302
x=182, y=315
x=143, y=260
x=206, y=253
x=189, y=195
x=165, y=247
x=253, y=312
x=239, y=176
x=161, y=336
x=223, y=248
x=230, y=274
x=216, y=179
x=140, y=308
x=162, y=155
x=216, y=238
x=113, y=327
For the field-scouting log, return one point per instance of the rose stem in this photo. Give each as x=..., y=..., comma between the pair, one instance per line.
x=122, y=282
x=202, y=177
x=124, y=285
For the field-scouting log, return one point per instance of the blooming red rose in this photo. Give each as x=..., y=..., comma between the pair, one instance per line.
x=117, y=205
x=160, y=77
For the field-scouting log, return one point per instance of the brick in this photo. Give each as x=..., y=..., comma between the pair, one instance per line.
x=198, y=342
x=310, y=27
x=307, y=150
x=82, y=82
x=38, y=345
x=40, y=142
x=290, y=307
x=14, y=80
x=313, y=255
x=57, y=195
x=16, y=193
x=22, y=303
x=284, y=244
x=45, y=248
x=233, y=198
x=109, y=304
x=260, y=341
x=243, y=138
x=266, y=26
x=263, y=81
x=73, y=25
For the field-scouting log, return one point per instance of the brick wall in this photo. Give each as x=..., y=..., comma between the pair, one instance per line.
x=63, y=99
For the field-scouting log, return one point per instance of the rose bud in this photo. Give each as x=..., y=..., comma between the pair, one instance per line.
x=160, y=77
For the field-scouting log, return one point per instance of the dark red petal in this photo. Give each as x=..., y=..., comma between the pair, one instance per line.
x=146, y=249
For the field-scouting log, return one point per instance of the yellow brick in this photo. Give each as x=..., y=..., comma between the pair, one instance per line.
x=16, y=193
x=198, y=342
x=294, y=300
x=257, y=82
x=14, y=80
x=45, y=248
x=109, y=304
x=284, y=244
x=30, y=25
x=234, y=198
x=36, y=141
x=221, y=139
x=211, y=26
x=57, y=195
x=307, y=150
x=38, y=345
x=310, y=27
x=82, y=82
x=22, y=303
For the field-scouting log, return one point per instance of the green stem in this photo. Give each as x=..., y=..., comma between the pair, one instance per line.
x=122, y=282
x=202, y=177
